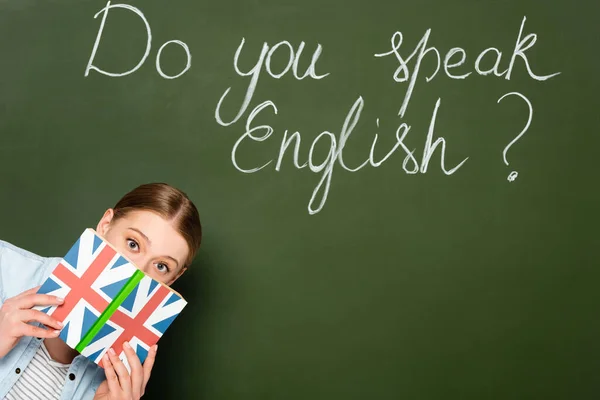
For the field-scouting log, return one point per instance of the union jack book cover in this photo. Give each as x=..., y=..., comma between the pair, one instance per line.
x=108, y=301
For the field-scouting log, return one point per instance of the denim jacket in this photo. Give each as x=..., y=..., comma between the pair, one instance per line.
x=21, y=270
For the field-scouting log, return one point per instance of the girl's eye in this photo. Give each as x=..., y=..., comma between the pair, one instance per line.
x=162, y=267
x=132, y=244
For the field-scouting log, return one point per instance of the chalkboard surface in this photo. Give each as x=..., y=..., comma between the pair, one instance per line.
x=431, y=231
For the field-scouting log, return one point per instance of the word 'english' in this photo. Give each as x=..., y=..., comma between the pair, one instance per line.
x=335, y=156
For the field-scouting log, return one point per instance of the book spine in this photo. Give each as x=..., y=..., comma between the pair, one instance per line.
x=110, y=310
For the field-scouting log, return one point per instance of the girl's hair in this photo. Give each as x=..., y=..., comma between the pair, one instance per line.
x=170, y=203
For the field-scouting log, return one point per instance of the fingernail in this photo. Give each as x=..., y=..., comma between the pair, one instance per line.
x=60, y=299
x=155, y=347
x=111, y=351
x=56, y=332
x=59, y=324
x=126, y=344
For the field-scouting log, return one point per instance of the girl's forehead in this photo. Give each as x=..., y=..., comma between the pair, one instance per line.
x=160, y=234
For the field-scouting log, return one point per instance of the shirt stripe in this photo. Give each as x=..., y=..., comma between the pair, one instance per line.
x=43, y=379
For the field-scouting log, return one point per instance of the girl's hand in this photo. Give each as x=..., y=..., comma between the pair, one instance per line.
x=119, y=384
x=15, y=314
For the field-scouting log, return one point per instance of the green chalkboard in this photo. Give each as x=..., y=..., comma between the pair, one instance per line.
x=377, y=270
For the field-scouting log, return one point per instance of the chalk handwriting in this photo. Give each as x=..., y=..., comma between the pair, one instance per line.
x=514, y=174
x=260, y=133
x=265, y=58
x=403, y=72
x=187, y=53
x=489, y=62
x=90, y=66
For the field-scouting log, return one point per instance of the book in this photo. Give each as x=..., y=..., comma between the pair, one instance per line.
x=108, y=301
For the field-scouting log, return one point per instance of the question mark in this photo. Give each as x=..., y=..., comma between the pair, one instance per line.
x=513, y=175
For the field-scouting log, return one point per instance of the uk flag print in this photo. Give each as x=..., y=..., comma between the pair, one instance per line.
x=97, y=283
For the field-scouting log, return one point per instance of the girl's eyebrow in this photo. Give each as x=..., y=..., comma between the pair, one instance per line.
x=174, y=260
x=150, y=243
x=141, y=233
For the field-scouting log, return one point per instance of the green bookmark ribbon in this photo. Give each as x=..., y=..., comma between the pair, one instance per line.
x=110, y=310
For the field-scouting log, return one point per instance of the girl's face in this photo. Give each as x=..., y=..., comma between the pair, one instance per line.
x=148, y=240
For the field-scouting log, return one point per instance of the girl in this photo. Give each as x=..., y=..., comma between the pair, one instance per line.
x=158, y=228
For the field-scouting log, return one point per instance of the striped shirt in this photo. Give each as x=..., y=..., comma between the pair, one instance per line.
x=43, y=379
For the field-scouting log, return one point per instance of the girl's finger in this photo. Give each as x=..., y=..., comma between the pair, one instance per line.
x=111, y=376
x=137, y=373
x=148, y=363
x=122, y=373
x=37, y=300
x=38, y=316
x=35, y=331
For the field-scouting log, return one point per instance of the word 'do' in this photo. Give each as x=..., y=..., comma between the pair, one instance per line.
x=135, y=10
